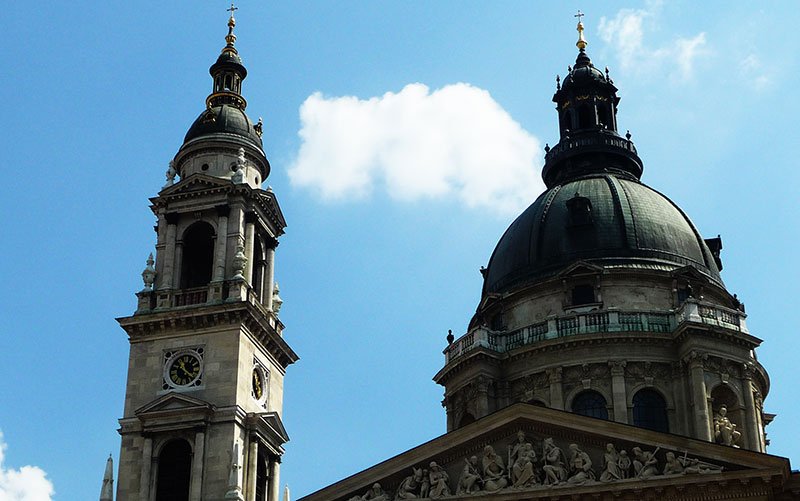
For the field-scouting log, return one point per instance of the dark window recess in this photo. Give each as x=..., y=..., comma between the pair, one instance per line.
x=537, y=403
x=585, y=117
x=582, y=294
x=590, y=403
x=174, y=471
x=198, y=255
x=580, y=211
x=650, y=411
x=497, y=322
x=683, y=294
x=602, y=117
x=566, y=122
x=261, y=475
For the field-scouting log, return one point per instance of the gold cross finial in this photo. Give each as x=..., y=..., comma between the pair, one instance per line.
x=581, y=43
x=233, y=8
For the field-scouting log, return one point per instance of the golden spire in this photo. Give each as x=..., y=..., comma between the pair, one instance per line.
x=581, y=43
x=230, y=37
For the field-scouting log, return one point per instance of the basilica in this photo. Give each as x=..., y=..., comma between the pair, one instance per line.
x=605, y=360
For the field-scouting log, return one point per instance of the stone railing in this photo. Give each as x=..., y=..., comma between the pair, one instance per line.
x=575, y=324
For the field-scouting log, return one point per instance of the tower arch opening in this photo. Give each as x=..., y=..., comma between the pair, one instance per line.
x=198, y=255
x=174, y=471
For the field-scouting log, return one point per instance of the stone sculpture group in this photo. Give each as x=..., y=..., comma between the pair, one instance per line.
x=523, y=468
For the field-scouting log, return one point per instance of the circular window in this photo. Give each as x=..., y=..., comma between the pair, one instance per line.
x=204, y=167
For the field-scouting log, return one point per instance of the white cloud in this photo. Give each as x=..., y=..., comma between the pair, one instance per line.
x=752, y=70
x=640, y=54
x=455, y=141
x=28, y=483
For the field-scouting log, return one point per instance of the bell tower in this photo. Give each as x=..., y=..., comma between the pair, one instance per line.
x=203, y=403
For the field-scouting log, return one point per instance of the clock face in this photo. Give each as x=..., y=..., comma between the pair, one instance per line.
x=258, y=384
x=184, y=369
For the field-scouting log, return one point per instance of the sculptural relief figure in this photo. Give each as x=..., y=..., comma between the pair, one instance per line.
x=171, y=173
x=644, y=463
x=554, y=464
x=624, y=464
x=411, y=486
x=470, y=480
x=580, y=466
x=375, y=493
x=694, y=465
x=673, y=466
x=439, y=482
x=611, y=467
x=239, y=168
x=724, y=430
x=521, y=460
x=494, y=472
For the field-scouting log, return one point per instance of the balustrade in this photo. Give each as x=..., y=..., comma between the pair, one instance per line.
x=598, y=322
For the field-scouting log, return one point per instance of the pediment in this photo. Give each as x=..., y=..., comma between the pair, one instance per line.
x=174, y=410
x=580, y=268
x=689, y=273
x=493, y=440
x=269, y=427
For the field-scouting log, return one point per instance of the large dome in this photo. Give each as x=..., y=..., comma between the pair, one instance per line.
x=603, y=219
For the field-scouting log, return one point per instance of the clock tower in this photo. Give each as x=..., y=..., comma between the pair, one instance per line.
x=203, y=403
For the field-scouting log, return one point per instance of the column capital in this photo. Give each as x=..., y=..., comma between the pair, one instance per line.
x=171, y=217
x=695, y=358
x=617, y=367
x=555, y=374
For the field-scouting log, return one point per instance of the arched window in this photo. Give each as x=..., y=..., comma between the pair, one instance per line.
x=590, y=403
x=566, y=122
x=198, y=255
x=650, y=411
x=537, y=403
x=603, y=116
x=466, y=419
x=174, y=471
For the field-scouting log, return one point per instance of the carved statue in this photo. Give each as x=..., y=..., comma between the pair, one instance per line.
x=411, y=486
x=171, y=173
x=470, y=480
x=277, y=301
x=645, y=463
x=580, y=466
x=494, y=473
x=521, y=460
x=375, y=493
x=241, y=163
x=239, y=262
x=611, y=464
x=439, y=482
x=624, y=464
x=724, y=430
x=673, y=466
x=694, y=465
x=554, y=469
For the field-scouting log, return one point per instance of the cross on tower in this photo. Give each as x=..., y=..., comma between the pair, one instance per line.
x=579, y=15
x=237, y=8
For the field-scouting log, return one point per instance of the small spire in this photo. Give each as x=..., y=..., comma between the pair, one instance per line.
x=107, y=491
x=581, y=43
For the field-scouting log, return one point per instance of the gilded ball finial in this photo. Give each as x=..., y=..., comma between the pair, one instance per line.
x=581, y=43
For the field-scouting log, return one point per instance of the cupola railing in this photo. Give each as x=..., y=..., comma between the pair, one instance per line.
x=598, y=322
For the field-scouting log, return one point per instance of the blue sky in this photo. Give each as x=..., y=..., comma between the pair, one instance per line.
x=382, y=252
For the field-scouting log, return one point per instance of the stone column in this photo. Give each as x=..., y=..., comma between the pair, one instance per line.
x=196, y=487
x=220, y=253
x=249, y=244
x=176, y=272
x=752, y=441
x=269, y=276
x=618, y=392
x=169, y=252
x=680, y=424
x=274, y=479
x=556, y=390
x=147, y=463
x=702, y=426
x=252, y=470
